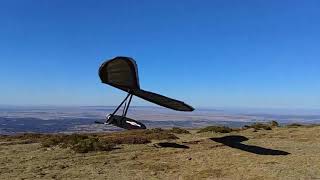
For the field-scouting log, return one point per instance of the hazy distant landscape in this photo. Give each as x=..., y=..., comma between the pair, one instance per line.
x=53, y=119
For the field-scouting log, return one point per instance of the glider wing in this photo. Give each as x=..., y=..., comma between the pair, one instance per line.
x=122, y=73
x=162, y=100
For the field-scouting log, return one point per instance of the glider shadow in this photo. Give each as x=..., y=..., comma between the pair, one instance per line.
x=235, y=142
x=172, y=145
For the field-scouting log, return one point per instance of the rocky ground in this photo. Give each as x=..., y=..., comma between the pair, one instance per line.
x=280, y=153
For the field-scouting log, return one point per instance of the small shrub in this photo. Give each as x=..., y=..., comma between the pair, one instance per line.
x=52, y=141
x=95, y=142
x=267, y=128
x=91, y=144
x=77, y=142
x=155, y=130
x=127, y=140
x=294, y=125
x=217, y=129
x=138, y=136
x=258, y=126
x=177, y=130
x=274, y=123
x=73, y=139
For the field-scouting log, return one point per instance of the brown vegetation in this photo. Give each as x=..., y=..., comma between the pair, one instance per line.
x=77, y=142
x=258, y=126
x=264, y=126
x=84, y=143
x=217, y=129
x=177, y=130
x=294, y=125
x=245, y=154
x=137, y=136
x=274, y=123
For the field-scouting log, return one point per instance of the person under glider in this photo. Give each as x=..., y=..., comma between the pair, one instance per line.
x=122, y=73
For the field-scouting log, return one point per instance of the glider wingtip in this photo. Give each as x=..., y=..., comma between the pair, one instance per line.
x=190, y=108
x=186, y=107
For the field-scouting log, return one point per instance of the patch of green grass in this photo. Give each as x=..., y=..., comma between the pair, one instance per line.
x=217, y=129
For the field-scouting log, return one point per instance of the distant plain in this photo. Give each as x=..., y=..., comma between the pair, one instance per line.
x=55, y=119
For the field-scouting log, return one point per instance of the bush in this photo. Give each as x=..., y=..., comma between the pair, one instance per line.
x=92, y=144
x=127, y=139
x=294, y=125
x=274, y=123
x=154, y=130
x=95, y=142
x=258, y=126
x=217, y=129
x=73, y=139
x=177, y=130
x=139, y=136
x=78, y=143
x=52, y=141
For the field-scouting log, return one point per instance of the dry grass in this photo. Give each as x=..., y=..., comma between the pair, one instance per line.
x=84, y=143
x=77, y=142
x=30, y=137
x=138, y=136
x=204, y=159
x=92, y=144
x=295, y=125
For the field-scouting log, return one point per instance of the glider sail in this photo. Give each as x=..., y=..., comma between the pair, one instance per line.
x=162, y=100
x=122, y=73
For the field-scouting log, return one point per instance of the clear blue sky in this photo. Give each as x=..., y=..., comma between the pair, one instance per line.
x=209, y=53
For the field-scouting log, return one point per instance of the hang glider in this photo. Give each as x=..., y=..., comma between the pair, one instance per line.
x=122, y=73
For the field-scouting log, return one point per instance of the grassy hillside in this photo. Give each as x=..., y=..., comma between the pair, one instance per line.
x=251, y=153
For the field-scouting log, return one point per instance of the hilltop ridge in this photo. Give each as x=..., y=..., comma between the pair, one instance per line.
x=280, y=153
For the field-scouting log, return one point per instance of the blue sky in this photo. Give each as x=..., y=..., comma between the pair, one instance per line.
x=214, y=53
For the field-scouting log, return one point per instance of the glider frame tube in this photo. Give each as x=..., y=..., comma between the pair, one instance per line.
x=126, y=106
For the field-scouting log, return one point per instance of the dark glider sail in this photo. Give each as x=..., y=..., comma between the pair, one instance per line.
x=122, y=73
x=162, y=100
